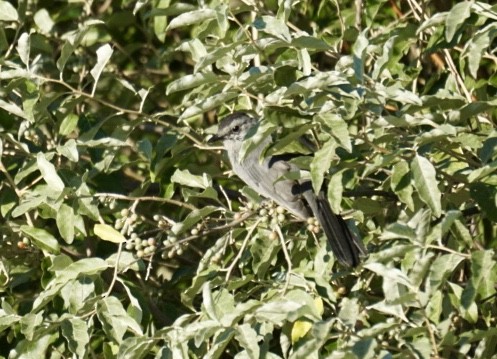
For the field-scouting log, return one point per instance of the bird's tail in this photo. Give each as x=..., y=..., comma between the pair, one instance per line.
x=345, y=245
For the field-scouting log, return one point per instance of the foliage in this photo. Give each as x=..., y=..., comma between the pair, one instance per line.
x=123, y=236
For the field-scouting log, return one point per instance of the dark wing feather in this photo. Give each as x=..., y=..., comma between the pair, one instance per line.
x=345, y=245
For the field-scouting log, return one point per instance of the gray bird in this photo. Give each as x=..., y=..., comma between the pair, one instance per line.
x=297, y=196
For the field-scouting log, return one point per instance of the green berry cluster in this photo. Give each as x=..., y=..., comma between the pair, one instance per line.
x=108, y=202
x=313, y=225
x=142, y=247
x=271, y=214
x=170, y=244
x=128, y=219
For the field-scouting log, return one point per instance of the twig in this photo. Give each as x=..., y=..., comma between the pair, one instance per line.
x=432, y=338
x=124, y=230
x=229, y=270
x=445, y=249
x=145, y=198
x=287, y=258
x=18, y=192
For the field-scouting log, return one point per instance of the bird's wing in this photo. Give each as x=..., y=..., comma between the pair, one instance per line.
x=266, y=179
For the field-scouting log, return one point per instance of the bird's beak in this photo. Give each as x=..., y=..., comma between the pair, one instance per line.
x=214, y=138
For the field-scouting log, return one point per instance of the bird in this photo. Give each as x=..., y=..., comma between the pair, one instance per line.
x=266, y=175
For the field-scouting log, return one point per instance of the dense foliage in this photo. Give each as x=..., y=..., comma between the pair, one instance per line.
x=123, y=234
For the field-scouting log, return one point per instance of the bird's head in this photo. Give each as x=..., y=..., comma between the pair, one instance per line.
x=234, y=127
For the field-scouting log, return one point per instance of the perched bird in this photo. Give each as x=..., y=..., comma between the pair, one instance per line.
x=297, y=196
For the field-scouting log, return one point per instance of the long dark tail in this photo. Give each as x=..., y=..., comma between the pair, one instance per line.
x=345, y=245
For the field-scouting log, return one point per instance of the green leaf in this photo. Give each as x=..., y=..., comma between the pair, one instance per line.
x=247, y=337
x=338, y=128
x=441, y=268
x=478, y=45
x=455, y=18
x=349, y=311
x=69, y=150
x=482, y=264
x=115, y=321
x=8, y=12
x=43, y=21
x=191, y=17
x=299, y=329
x=136, y=347
x=273, y=26
x=103, y=56
x=385, y=57
x=191, y=81
x=424, y=176
x=185, y=178
x=317, y=80
x=208, y=302
x=160, y=22
x=76, y=331
x=262, y=251
x=65, y=53
x=401, y=183
x=335, y=191
x=389, y=274
x=434, y=307
x=310, y=42
x=65, y=222
x=107, y=233
x=321, y=163
x=208, y=104
x=29, y=323
x=24, y=48
x=194, y=217
x=68, y=124
x=127, y=261
x=13, y=109
x=49, y=174
x=42, y=239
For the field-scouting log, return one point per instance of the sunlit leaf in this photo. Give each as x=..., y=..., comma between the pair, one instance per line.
x=49, y=173
x=7, y=12
x=190, y=18
x=103, y=56
x=424, y=176
x=107, y=233
x=42, y=239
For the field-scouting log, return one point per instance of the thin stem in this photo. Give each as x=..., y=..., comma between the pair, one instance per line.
x=287, y=257
x=229, y=270
x=146, y=198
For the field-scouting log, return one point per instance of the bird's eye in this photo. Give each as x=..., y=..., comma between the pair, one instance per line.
x=236, y=128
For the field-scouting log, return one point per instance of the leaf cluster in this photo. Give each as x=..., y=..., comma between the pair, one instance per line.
x=124, y=235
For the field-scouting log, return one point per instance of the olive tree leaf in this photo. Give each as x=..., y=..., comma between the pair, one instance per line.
x=107, y=233
x=41, y=238
x=103, y=56
x=8, y=12
x=321, y=163
x=49, y=173
x=424, y=177
x=191, y=17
